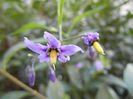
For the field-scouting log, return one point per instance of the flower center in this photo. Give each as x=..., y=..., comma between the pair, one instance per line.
x=53, y=52
x=53, y=56
x=98, y=47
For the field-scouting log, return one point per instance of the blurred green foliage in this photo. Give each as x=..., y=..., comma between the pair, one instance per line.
x=30, y=18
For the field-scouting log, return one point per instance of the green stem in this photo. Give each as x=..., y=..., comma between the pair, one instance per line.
x=60, y=32
x=60, y=15
x=72, y=38
x=19, y=83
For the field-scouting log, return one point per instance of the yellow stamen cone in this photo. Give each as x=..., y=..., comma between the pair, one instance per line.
x=98, y=47
x=53, y=56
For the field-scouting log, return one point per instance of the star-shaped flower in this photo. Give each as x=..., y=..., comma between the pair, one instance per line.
x=53, y=50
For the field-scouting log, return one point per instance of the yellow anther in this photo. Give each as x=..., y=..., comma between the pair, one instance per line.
x=98, y=47
x=53, y=56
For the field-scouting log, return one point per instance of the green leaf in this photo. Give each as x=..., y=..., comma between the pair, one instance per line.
x=106, y=93
x=55, y=90
x=128, y=78
x=110, y=79
x=86, y=14
x=66, y=96
x=75, y=77
x=15, y=95
x=8, y=55
x=14, y=49
x=28, y=27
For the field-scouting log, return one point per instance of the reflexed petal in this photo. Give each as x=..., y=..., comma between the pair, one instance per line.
x=51, y=74
x=35, y=47
x=53, y=42
x=68, y=50
x=63, y=59
x=91, y=52
x=30, y=74
x=44, y=57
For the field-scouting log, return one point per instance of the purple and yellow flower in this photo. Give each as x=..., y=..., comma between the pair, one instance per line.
x=53, y=51
x=30, y=72
x=99, y=65
x=91, y=39
x=51, y=74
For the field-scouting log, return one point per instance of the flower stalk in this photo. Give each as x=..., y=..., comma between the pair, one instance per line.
x=60, y=15
x=19, y=83
x=60, y=32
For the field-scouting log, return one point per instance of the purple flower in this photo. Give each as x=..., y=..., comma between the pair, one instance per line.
x=53, y=50
x=90, y=37
x=79, y=65
x=99, y=65
x=30, y=73
x=51, y=74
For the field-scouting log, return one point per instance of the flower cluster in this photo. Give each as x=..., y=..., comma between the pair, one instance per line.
x=54, y=50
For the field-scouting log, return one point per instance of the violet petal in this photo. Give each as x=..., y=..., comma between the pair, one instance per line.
x=53, y=42
x=35, y=47
x=31, y=75
x=91, y=52
x=63, y=59
x=44, y=57
x=51, y=74
x=69, y=50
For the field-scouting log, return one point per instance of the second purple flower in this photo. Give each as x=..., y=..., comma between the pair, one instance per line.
x=91, y=39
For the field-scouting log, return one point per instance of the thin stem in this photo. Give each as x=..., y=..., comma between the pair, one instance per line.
x=60, y=32
x=72, y=38
x=18, y=82
x=60, y=15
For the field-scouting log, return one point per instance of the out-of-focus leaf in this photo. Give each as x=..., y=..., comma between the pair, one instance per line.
x=11, y=52
x=104, y=60
x=15, y=95
x=110, y=79
x=128, y=77
x=14, y=49
x=40, y=66
x=66, y=96
x=55, y=90
x=106, y=93
x=75, y=77
x=86, y=14
x=28, y=27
